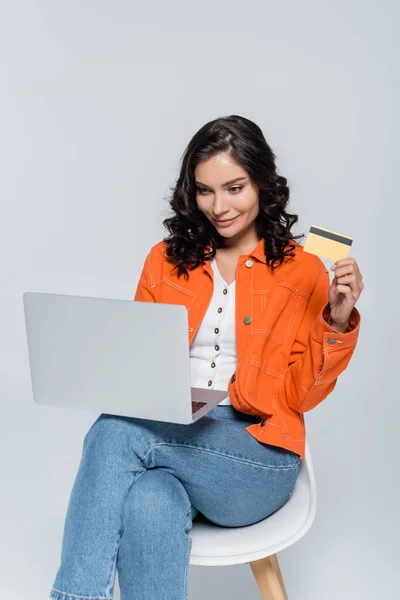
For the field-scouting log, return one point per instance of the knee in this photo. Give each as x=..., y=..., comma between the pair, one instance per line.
x=106, y=434
x=157, y=501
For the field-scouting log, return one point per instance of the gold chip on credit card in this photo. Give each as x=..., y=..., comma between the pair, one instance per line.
x=327, y=243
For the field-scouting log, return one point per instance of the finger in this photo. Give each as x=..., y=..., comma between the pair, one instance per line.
x=344, y=270
x=349, y=270
x=345, y=289
x=350, y=280
x=353, y=286
x=345, y=278
x=347, y=281
x=355, y=269
x=358, y=271
x=343, y=262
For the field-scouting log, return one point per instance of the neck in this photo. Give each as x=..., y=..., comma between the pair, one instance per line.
x=241, y=245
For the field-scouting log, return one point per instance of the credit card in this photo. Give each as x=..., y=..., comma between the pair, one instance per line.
x=328, y=244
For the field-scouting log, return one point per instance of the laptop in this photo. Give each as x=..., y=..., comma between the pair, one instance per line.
x=121, y=357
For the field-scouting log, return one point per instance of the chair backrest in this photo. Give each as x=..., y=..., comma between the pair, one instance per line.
x=308, y=477
x=222, y=546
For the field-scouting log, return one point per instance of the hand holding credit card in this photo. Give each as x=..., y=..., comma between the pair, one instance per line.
x=347, y=283
x=327, y=243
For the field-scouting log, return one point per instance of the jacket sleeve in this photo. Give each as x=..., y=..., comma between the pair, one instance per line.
x=320, y=352
x=144, y=290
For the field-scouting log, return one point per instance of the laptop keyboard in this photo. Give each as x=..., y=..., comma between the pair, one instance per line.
x=197, y=405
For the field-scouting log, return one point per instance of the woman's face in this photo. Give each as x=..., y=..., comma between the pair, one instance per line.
x=221, y=198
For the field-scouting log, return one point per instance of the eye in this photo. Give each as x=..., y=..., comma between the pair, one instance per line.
x=235, y=187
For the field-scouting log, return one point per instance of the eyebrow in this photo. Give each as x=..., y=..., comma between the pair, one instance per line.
x=224, y=184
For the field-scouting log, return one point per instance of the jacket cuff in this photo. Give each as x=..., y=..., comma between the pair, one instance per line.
x=323, y=331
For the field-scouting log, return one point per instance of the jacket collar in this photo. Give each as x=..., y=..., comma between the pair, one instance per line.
x=257, y=252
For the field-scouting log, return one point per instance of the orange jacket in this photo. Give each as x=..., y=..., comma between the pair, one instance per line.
x=288, y=357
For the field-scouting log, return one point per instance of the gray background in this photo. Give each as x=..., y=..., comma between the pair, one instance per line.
x=98, y=101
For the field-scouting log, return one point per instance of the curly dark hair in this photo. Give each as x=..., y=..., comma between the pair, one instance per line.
x=190, y=232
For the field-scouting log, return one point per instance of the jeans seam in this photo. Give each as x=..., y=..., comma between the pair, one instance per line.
x=79, y=597
x=112, y=575
x=188, y=552
x=256, y=464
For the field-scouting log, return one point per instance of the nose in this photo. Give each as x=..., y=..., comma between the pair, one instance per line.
x=220, y=207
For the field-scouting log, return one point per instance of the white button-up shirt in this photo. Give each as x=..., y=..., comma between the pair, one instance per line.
x=213, y=349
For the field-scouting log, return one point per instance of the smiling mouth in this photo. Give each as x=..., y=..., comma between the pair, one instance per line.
x=225, y=221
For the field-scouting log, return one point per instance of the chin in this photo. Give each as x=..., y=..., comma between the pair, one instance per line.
x=228, y=234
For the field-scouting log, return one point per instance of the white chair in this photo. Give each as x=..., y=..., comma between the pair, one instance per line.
x=258, y=544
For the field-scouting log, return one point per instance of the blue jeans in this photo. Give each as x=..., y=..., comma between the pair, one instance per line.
x=139, y=485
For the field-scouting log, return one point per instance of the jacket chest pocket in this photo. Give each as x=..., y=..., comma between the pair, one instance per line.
x=174, y=293
x=280, y=309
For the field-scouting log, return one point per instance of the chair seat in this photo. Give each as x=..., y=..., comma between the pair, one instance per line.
x=214, y=545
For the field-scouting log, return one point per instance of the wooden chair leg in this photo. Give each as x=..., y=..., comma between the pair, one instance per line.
x=269, y=578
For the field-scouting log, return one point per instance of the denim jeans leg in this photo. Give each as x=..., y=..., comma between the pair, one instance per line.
x=155, y=545
x=215, y=466
x=109, y=467
x=234, y=479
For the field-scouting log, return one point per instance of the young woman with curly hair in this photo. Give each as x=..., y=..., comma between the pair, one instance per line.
x=265, y=324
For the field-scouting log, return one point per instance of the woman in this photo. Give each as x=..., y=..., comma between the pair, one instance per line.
x=265, y=324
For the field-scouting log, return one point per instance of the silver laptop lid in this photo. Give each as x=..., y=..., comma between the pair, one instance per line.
x=102, y=354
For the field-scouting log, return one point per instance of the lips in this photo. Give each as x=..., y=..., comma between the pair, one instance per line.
x=225, y=223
